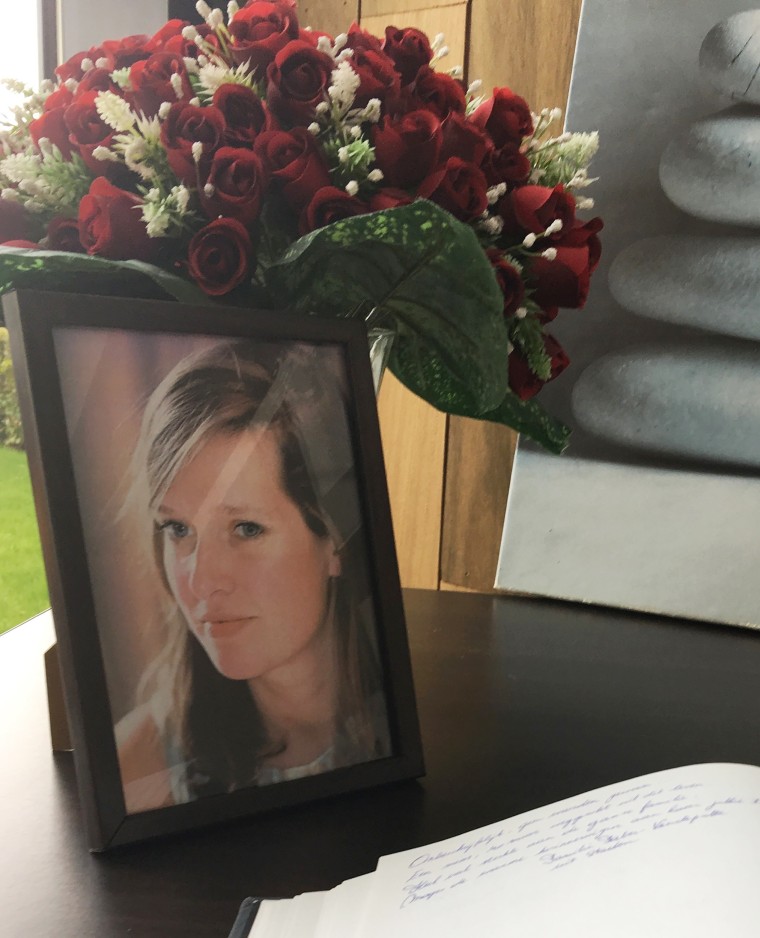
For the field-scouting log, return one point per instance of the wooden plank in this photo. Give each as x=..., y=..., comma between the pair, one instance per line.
x=449, y=19
x=414, y=443
x=328, y=16
x=527, y=45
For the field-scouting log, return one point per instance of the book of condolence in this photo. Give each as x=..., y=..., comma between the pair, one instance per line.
x=674, y=854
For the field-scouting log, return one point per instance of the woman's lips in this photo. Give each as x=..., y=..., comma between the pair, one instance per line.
x=225, y=628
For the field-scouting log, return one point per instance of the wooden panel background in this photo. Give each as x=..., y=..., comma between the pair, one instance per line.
x=449, y=477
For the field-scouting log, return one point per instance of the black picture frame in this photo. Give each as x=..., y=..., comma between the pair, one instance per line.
x=52, y=337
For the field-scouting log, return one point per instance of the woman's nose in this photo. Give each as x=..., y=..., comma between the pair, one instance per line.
x=210, y=570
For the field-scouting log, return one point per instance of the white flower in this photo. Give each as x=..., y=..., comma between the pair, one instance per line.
x=521, y=312
x=203, y=9
x=197, y=150
x=584, y=204
x=375, y=175
x=115, y=112
x=176, y=83
x=529, y=240
x=105, y=155
x=344, y=85
x=232, y=9
x=313, y=128
x=87, y=64
x=208, y=190
x=550, y=254
x=555, y=226
x=163, y=109
x=343, y=154
x=352, y=187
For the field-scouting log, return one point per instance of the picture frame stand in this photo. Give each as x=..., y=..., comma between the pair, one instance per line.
x=60, y=737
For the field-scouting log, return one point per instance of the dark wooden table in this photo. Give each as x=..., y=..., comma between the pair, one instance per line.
x=522, y=702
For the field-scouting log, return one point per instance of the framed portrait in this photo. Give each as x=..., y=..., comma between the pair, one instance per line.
x=217, y=538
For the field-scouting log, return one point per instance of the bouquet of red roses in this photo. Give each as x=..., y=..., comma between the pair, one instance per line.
x=253, y=160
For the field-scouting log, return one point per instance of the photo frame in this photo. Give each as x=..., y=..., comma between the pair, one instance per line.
x=217, y=537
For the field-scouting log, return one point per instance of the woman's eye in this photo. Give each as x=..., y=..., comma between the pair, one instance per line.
x=174, y=530
x=248, y=529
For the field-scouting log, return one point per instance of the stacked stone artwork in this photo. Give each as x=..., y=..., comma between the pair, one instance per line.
x=699, y=400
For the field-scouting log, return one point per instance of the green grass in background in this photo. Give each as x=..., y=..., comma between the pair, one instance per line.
x=23, y=591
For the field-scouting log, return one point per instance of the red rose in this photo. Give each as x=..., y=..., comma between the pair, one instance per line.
x=409, y=51
x=439, y=93
x=151, y=81
x=295, y=161
x=509, y=279
x=185, y=125
x=563, y=281
x=522, y=381
x=585, y=234
x=329, y=204
x=377, y=76
x=239, y=180
x=260, y=30
x=98, y=79
x=110, y=224
x=463, y=139
x=505, y=164
x=123, y=53
x=407, y=150
x=244, y=113
x=52, y=125
x=505, y=117
x=60, y=98
x=220, y=256
x=72, y=67
x=457, y=186
x=87, y=130
x=15, y=223
x=168, y=31
x=63, y=235
x=19, y=243
x=533, y=209
x=360, y=40
x=297, y=80
x=389, y=198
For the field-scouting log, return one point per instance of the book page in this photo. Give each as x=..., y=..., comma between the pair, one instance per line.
x=676, y=853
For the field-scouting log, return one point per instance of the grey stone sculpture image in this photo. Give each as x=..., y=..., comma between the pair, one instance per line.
x=656, y=505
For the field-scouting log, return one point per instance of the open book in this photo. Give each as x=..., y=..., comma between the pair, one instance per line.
x=675, y=854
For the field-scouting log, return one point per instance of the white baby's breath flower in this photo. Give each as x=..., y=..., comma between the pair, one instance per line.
x=352, y=187
x=191, y=64
x=492, y=225
x=213, y=75
x=215, y=19
x=584, y=204
x=375, y=175
x=550, y=254
x=208, y=190
x=521, y=312
x=101, y=62
x=474, y=86
x=114, y=111
x=72, y=84
x=86, y=64
x=456, y=72
x=438, y=41
x=313, y=128
x=324, y=46
x=105, y=155
x=232, y=9
x=195, y=102
x=343, y=154
x=496, y=192
x=344, y=85
x=163, y=109
x=177, y=88
x=203, y=9
x=182, y=196
x=10, y=195
x=197, y=150
x=529, y=240
x=340, y=40
x=554, y=227
x=190, y=33
x=134, y=156
x=322, y=108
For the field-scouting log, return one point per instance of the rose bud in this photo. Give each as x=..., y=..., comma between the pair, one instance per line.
x=439, y=93
x=457, y=186
x=360, y=40
x=377, y=76
x=407, y=150
x=409, y=50
x=151, y=81
x=329, y=204
x=167, y=32
x=509, y=279
x=463, y=139
x=87, y=130
x=123, y=53
x=297, y=80
x=506, y=164
x=238, y=180
x=185, y=125
x=72, y=67
x=244, y=113
x=52, y=126
x=110, y=224
x=563, y=281
x=220, y=256
x=505, y=117
x=63, y=235
x=387, y=197
x=260, y=30
x=533, y=209
x=522, y=380
x=295, y=162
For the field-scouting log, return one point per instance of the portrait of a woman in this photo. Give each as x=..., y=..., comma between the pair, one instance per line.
x=269, y=669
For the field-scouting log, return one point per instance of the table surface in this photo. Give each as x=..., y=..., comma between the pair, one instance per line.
x=522, y=702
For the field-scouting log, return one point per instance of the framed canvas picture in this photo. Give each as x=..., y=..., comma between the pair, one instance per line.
x=218, y=544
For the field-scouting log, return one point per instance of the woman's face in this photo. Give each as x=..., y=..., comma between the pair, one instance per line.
x=247, y=573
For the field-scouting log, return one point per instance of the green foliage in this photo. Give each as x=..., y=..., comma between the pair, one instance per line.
x=11, y=433
x=23, y=592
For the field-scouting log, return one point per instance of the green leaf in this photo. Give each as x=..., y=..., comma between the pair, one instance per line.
x=425, y=274
x=530, y=418
x=82, y=273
